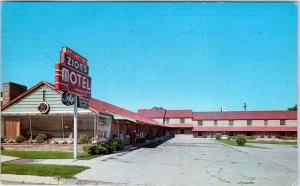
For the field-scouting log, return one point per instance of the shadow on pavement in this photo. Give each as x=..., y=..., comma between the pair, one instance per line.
x=157, y=143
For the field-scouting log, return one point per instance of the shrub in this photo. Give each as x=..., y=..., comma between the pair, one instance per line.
x=218, y=136
x=101, y=149
x=20, y=139
x=2, y=148
x=40, y=138
x=62, y=142
x=241, y=140
x=11, y=141
x=110, y=149
x=89, y=149
x=116, y=144
x=49, y=136
x=83, y=139
x=289, y=138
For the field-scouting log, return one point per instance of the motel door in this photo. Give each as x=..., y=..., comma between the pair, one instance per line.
x=12, y=128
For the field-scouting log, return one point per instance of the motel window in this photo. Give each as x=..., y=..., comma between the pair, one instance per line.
x=215, y=122
x=282, y=134
x=200, y=122
x=230, y=122
x=265, y=122
x=249, y=122
x=167, y=120
x=181, y=120
x=282, y=122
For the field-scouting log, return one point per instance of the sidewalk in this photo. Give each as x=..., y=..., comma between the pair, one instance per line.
x=8, y=158
x=52, y=180
x=28, y=179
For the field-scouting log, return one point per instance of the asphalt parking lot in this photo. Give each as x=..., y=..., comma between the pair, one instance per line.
x=192, y=161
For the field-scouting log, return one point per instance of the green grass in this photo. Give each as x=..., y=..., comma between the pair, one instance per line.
x=46, y=154
x=233, y=143
x=64, y=171
x=274, y=142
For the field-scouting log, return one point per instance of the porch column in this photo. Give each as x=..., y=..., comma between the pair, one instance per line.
x=117, y=122
x=62, y=127
x=95, y=126
x=109, y=128
x=30, y=126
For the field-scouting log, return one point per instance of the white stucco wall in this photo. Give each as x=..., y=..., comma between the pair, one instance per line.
x=225, y=123
x=177, y=121
x=291, y=123
x=273, y=123
x=258, y=123
x=159, y=120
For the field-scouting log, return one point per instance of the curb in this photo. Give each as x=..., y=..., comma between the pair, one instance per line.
x=231, y=147
x=28, y=179
x=10, y=159
x=105, y=157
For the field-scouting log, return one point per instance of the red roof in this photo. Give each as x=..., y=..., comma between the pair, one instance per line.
x=179, y=125
x=179, y=114
x=244, y=129
x=101, y=105
x=241, y=115
x=160, y=113
x=227, y=115
x=152, y=113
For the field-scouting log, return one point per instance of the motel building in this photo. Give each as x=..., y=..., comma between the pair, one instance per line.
x=104, y=121
x=260, y=124
x=21, y=115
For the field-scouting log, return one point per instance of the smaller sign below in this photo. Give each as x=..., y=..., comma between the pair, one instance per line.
x=82, y=103
x=68, y=98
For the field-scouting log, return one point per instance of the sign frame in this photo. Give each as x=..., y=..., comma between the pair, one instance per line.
x=72, y=77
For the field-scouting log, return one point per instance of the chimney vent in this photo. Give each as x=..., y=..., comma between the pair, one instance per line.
x=12, y=90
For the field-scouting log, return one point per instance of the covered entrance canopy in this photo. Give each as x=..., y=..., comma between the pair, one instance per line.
x=21, y=116
x=101, y=120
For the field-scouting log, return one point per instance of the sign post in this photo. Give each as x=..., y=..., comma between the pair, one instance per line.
x=72, y=78
x=75, y=128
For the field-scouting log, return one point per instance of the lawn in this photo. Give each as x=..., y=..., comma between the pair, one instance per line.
x=232, y=143
x=46, y=154
x=64, y=171
x=281, y=142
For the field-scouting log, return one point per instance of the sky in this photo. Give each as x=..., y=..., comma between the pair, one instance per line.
x=199, y=56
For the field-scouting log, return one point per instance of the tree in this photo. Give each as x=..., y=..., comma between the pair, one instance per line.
x=293, y=108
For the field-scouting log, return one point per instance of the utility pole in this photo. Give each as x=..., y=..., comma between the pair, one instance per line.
x=245, y=106
x=298, y=112
x=164, y=119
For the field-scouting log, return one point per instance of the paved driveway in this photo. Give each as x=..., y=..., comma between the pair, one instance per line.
x=193, y=161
